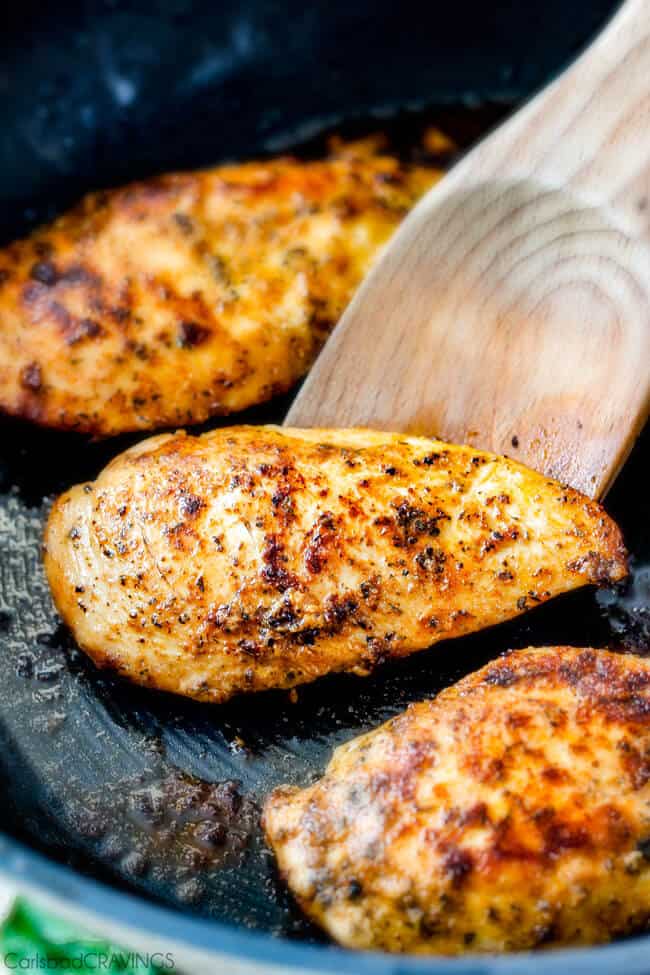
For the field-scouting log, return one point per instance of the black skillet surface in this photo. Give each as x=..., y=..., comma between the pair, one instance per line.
x=104, y=776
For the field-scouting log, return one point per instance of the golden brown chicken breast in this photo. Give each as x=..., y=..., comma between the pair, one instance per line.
x=194, y=294
x=258, y=557
x=510, y=812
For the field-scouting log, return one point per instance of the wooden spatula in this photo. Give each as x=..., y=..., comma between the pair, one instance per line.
x=512, y=308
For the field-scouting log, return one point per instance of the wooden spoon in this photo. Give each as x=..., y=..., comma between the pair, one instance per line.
x=512, y=308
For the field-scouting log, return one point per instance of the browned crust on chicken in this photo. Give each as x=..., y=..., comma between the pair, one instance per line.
x=169, y=301
x=258, y=557
x=512, y=811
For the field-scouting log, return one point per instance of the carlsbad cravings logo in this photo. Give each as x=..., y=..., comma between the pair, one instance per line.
x=93, y=961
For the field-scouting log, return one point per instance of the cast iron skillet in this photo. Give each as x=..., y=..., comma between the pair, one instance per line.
x=103, y=778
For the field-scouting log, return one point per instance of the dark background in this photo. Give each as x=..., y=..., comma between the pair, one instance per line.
x=96, y=92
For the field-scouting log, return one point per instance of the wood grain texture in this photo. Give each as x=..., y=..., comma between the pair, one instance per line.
x=512, y=308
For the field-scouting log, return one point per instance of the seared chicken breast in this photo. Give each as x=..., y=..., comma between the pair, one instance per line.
x=512, y=811
x=259, y=557
x=194, y=294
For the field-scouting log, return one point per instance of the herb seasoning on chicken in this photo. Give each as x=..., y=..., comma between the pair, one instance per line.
x=170, y=301
x=510, y=812
x=257, y=557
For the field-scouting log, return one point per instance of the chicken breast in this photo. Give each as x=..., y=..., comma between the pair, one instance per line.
x=194, y=294
x=259, y=557
x=512, y=811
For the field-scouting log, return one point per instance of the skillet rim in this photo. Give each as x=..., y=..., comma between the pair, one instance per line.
x=30, y=869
